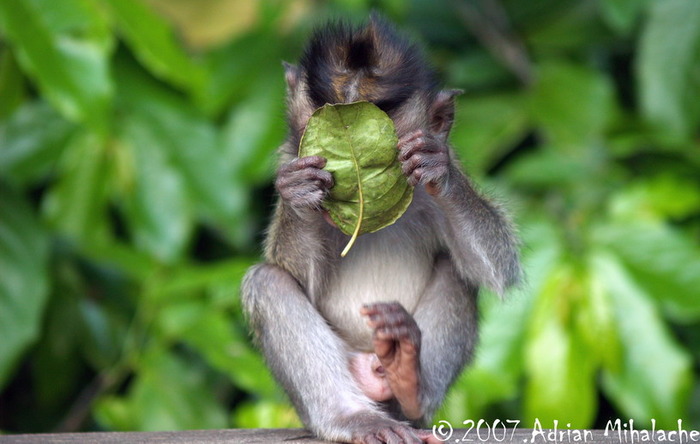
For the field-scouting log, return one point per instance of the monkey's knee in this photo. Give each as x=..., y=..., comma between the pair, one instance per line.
x=262, y=285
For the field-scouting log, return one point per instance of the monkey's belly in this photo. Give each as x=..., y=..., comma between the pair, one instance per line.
x=379, y=268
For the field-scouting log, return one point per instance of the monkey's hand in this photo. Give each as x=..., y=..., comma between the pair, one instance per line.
x=424, y=160
x=397, y=341
x=303, y=183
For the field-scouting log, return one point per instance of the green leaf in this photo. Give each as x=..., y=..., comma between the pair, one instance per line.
x=227, y=274
x=476, y=70
x=563, y=26
x=622, y=14
x=571, y=103
x=12, y=88
x=666, y=65
x=653, y=379
x=359, y=141
x=662, y=261
x=237, y=70
x=65, y=47
x=76, y=204
x=596, y=323
x=214, y=335
x=254, y=129
x=104, y=332
x=168, y=394
x=210, y=325
x=57, y=354
x=122, y=256
x=24, y=255
x=560, y=370
x=152, y=40
x=157, y=204
x=488, y=128
x=548, y=168
x=265, y=414
x=657, y=199
x=31, y=141
x=192, y=144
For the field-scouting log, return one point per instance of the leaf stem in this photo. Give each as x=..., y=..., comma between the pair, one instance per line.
x=360, y=193
x=357, y=227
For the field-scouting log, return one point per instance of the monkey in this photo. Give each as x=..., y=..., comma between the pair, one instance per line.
x=366, y=346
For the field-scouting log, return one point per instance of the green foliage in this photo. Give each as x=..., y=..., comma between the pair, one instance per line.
x=24, y=287
x=135, y=172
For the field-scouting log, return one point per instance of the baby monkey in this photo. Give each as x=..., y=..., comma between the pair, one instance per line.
x=367, y=345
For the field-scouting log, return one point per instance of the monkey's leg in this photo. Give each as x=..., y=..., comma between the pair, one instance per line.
x=447, y=318
x=311, y=362
x=422, y=354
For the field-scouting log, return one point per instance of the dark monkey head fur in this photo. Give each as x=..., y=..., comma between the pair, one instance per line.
x=373, y=63
x=343, y=64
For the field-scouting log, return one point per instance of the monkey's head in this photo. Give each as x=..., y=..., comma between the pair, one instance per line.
x=342, y=64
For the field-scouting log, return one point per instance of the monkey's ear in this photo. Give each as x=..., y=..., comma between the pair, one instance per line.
x=291, y=75
x=442, y=111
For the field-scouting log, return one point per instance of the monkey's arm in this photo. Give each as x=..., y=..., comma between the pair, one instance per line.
x=476, y=233
x=296, y=236
x=481, y=240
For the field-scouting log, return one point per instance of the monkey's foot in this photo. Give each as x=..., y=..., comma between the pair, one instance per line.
x=370, y=428
x=396, y=341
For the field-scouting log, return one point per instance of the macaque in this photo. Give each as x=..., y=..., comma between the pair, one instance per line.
x=367, y=345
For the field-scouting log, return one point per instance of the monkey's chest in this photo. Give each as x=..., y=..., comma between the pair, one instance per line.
x=378, y=269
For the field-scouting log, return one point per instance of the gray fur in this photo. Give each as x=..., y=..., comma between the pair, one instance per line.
x=303, y=303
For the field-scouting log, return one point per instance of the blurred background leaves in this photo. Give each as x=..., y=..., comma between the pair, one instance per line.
x=137, y=143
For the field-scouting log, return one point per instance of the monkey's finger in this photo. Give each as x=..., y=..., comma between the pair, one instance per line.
x=410, y=345
x=387, y=315
x=385, y=321
x=390, y=319
x=383, y=348
x=378, y=307
x=368, y=439
x=426, y=175
x=307, y=162
x=308, y=174
x=410, y=137
x=406, y=150
x=303, y=178
x=372, y=308
x=408, y=337
x=298, y=187
x=416, y=176
x=389, y=436
x=419, y=144
x=389, y=333
x=409, y=165
x=436, y=162
x=408, y=435
x=325, y=178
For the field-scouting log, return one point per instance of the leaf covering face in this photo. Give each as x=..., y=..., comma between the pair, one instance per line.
x=359, y=142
